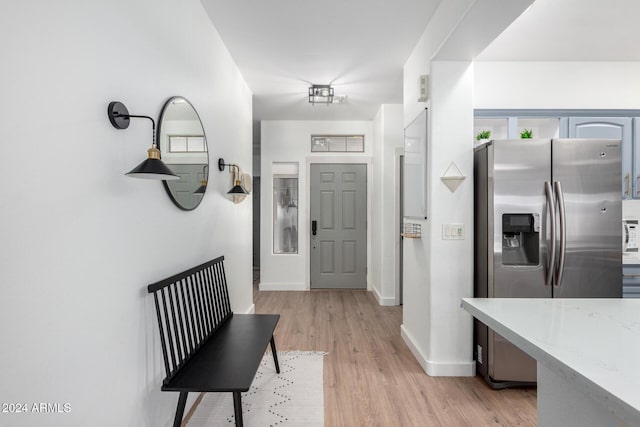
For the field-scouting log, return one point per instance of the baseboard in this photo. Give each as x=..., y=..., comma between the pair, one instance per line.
x=251, y=310
x=414, y=347
x=437, y=369
x=282, y=287
x=383, y=301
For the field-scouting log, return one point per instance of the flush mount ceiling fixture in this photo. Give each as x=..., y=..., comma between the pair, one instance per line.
x=320, y=94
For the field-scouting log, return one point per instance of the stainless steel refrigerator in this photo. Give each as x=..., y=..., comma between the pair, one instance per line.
x=548, y=217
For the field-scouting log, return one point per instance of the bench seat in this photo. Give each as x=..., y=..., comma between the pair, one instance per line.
x=229, y=360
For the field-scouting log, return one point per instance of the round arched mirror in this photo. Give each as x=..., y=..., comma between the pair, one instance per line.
x=183, y=147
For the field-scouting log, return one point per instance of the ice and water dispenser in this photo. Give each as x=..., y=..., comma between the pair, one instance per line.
x=521, y=239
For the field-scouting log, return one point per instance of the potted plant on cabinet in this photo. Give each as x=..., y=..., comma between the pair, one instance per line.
x=483, y=136
x=526, y=133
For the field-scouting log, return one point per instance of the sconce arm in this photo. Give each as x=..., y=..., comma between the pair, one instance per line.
x=119, y=117
x=222, y=165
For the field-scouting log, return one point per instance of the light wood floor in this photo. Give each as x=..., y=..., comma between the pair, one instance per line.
x=370, y=376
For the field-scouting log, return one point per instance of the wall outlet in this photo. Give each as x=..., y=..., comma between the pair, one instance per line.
x=452, y=231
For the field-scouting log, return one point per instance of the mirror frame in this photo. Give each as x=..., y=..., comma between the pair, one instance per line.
x=158, y=139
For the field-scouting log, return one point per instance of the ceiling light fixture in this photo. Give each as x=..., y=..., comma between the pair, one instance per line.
x=320, y=94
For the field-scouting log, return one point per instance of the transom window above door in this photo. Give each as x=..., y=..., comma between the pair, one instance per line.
x=337, y=143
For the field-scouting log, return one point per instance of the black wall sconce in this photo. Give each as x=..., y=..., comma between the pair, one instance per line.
x=153, y=167
x=203, y=182
x=237, y=188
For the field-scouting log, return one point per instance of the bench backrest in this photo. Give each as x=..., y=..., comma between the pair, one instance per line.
x=190, y=306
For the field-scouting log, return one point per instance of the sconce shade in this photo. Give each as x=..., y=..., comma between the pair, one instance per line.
x=203, y=181
x=153, y=167
x=237, y=189
x=202, y=188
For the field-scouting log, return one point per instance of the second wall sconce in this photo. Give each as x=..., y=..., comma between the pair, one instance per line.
x=237, y=188
x=153, y=167
x=203, y=181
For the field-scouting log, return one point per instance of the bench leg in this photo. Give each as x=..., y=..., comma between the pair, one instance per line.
x=275, y=355
x=182, y=402
x=237, y=408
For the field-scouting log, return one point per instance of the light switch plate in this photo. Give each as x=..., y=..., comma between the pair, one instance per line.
x=452, y=231
x=422, y=88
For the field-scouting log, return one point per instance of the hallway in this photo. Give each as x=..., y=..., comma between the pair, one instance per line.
x=370, y=376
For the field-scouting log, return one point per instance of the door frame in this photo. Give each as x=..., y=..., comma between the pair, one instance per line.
x=397, y=240
x=351, y=159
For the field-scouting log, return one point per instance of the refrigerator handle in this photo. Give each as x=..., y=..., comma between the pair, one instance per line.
x=551, y=211
x=625, y=242
x=563, y=232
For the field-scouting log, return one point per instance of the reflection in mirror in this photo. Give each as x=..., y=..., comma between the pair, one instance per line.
x=183, y=147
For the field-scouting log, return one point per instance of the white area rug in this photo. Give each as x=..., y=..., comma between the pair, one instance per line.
x=292, y=398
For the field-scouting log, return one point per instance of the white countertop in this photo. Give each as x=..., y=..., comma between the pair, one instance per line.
x=592, y=343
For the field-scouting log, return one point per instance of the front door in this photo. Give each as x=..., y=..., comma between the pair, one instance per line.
x=339, y=226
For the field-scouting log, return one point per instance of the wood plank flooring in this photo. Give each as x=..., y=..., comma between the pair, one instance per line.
x=370, y=376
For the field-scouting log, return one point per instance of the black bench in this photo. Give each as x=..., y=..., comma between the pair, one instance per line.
x=206, y=347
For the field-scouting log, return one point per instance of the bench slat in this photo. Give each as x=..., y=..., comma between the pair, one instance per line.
x=169, y=332
x=162, y=341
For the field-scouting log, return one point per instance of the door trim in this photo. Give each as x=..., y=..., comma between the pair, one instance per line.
x=355, y=159
x=398, y=153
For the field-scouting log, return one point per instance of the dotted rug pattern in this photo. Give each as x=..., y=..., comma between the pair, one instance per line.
x=292, y=398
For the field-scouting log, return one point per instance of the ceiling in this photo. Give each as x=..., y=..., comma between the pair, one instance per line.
x=358, y=46
x=571, y=30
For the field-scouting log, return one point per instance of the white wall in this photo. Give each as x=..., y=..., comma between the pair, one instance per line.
x=80, y=241
x=441, y=25
x=437, y=272
x=290, y=141
x=387, y=136
x=597, y=85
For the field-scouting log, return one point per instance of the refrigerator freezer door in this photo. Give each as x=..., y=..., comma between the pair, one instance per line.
x=520, y=170
x=589, y=173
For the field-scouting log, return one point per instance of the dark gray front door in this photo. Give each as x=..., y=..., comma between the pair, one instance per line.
x=339, y=226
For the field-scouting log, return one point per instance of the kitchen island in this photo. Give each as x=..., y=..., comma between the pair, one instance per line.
x=587, y=353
